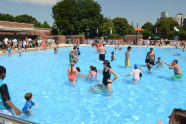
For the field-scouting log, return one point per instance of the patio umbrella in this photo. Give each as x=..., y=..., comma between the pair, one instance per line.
x=139, y=29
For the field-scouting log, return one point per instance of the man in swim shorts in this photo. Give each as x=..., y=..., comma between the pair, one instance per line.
x=127, y=62
x=102, y=52
x=150, y=58
x=177, y=71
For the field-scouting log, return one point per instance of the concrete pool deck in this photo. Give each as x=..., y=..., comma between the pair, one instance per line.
x=2, y=53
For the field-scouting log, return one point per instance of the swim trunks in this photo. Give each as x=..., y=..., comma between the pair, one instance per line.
x=178, y=76
x=151, y=61
x=127, y=63
x=102, y=57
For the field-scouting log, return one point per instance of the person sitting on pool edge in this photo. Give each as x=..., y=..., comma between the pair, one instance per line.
x=178, y=116
x=6, y=105
x=137, y=73
x=107, y=82
x=28, y=105
x=72, y=74
x=177, y=71
x=93, y=73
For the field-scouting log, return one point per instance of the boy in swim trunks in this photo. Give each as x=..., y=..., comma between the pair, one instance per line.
x=72, y=74
x=127, y=62
x=136, y=72
x=177, y=71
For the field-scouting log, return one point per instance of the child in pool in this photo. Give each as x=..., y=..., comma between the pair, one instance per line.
x=9, y=49
x=28, y=105
x=112, y=56
x=93, y=73
x=159, y=63
x=136, y=72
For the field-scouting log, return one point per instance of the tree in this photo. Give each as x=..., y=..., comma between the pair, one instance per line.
x=148, y=26
x=106, y=27
x=121, y=25
x=45, y=25
x=166, y=27
x=6, y=17
x=64, y=16
x=75, y=16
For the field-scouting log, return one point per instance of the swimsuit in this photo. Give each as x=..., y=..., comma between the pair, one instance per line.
x=177, y=76
x=72, y=76
x=71, y=58
x=151, y=61
x=127, y=63
x=9, y=50
x=93, y=77
x=106, y=76
x=102, y=57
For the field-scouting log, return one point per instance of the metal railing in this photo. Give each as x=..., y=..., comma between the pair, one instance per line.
x=6, y=119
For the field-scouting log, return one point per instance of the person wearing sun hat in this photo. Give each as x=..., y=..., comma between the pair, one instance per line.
x=136, y=72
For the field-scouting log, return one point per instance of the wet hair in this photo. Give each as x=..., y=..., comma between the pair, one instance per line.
x=2, y=70
x=159, y=58
x=179, y=115
x=176, y=61
x=75, y=47
x=151, y=48
x=112, y=52
x=78, y=69
x=28, y=96
x=107, y=63
x=129, y=47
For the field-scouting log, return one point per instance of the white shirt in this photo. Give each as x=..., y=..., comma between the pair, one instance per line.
x=136, y=73
x=6, y=40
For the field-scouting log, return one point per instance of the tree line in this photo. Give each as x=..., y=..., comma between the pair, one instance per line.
x=84, y=17
x=24, y=19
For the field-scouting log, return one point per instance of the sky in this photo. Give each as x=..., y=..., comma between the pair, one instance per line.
x=136, y=11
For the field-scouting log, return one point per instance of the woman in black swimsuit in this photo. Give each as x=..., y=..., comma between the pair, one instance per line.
x=107, y=82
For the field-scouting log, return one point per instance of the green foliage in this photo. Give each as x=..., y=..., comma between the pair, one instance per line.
x=148, y=26
x=6, y=17
x=121, y=25
x=23, y=19
x=45, y=25
x=166, y=27
x=75, y=16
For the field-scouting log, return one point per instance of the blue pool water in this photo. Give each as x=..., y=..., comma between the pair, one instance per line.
x=44, y=74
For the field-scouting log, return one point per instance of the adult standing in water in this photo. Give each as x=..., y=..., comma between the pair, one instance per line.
x=107, y=82
x=177, y=71
x=127, y=62
x=102, y=52
x=150, y=58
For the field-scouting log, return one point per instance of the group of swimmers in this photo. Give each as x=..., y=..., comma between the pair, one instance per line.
x=107, y=70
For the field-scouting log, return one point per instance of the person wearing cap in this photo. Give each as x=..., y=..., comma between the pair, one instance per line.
x=136, y=72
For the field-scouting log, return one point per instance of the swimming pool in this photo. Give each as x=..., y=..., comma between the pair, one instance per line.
x=44, y=74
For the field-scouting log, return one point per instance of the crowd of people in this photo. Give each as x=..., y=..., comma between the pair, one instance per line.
x=178, y=116
x=7, y=45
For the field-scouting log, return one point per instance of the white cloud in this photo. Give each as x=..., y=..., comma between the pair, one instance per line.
x=41, y=2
